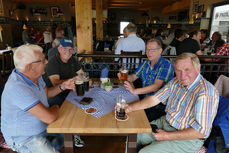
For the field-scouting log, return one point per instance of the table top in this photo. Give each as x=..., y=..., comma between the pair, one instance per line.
x=73, y=119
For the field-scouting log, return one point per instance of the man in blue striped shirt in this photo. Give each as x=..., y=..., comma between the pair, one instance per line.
x=191, y=106
x=154, y=73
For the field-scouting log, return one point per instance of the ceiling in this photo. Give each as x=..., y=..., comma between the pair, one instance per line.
x=114, y=4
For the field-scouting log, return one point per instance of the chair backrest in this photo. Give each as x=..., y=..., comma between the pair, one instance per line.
x=132, y=62
x=222, y=85
x=170, y=50
x=7, y=64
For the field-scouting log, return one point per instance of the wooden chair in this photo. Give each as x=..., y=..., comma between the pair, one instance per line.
x=131, y=62
x=7, y=65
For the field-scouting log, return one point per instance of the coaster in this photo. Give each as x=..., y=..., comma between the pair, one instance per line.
x=91, y=110
x=124, y=119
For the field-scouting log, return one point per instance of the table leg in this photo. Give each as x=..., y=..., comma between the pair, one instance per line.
x=68, y=143
x=132, y=143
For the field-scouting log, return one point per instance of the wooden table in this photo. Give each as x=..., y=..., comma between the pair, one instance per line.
x=73, y=120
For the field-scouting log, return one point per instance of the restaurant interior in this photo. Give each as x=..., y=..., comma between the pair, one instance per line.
x=95, y=26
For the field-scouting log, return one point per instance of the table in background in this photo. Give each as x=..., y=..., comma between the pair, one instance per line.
x=74, y=120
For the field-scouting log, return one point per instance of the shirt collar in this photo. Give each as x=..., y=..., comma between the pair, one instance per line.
x=27, y=80
x=194, y=82
x=156, y=64
x=132, y=35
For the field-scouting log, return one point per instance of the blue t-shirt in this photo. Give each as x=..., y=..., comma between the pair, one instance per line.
x=162, y=70
x=19, y=95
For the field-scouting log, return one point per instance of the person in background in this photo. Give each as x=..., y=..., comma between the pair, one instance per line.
x=39, y=37
x=216, y=42
x=62, y=66
x=191, y=106
x=155, y=72
x=47, y=34
x=25, y=111
x=59, y=36
x=179, y=37
x=191, y=44
x=132, y=43
x=159, y=36
x=25, y=35
x=125, y=35
x=204, y=38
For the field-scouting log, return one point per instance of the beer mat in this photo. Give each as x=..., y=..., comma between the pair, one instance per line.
x=125, y=119
x=91, y=110
x=116, y=86
x=86, y=100
x=91, y=87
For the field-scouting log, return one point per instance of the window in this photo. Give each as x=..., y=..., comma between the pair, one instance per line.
x=122, y=26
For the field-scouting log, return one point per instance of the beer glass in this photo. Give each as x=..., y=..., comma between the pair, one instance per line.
x=123, y=75
x=120, y=109
x=86, y=81
x=79, y=87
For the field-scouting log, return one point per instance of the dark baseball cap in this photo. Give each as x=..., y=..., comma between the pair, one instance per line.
x=65, y=42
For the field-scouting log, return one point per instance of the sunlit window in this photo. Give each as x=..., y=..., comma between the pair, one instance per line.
x=122, y=26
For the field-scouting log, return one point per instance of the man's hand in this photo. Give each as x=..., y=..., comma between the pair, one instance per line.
x=119, y=75
x=69, y=84
x=160, y=135
x=130, y=87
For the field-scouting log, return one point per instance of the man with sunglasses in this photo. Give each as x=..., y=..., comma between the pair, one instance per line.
x=60, y=67
x=25, y=109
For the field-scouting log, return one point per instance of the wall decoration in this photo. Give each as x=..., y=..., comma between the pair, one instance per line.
x=1, y=8
x=195, y=6
x=54, y=11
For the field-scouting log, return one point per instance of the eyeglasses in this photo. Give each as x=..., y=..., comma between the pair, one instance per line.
x=66, y=49
x=152, y=49
x=42, y=61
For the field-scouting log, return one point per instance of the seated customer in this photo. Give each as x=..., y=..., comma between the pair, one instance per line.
x=191, y=106
x=191, y=44
x=25, y=109
x=60, y=67
x=154, y=72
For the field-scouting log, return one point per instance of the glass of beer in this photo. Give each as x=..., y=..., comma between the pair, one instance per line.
x=86, y=81
x=123, y=75
x=120, y=109
x=79, y=84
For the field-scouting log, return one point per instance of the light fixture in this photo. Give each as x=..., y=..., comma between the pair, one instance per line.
x=24, y=27
x=191, y=21
x=169, y=26
x=1, y=28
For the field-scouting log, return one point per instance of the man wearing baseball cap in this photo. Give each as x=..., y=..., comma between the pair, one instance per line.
x=62, y=66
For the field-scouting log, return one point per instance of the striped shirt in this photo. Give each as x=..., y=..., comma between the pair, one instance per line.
x=193, y=106
x=162, y=70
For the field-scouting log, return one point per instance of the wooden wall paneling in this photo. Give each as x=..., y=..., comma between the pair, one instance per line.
x=99, y=19
x=83, y=10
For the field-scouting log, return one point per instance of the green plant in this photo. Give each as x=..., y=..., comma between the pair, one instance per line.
x=108, y=84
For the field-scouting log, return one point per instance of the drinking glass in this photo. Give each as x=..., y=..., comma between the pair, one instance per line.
x=123, y=74
x=120, y=109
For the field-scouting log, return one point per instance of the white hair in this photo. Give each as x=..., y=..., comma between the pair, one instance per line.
x=24, y=55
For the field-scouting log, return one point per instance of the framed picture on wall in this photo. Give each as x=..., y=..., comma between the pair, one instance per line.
x=54, y=11
x=1, y=8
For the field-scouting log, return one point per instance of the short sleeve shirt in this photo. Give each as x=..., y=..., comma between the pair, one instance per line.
x=19, y=95
x=193, y=106
x=162, y=70
x=188, y=45
x=65, y=70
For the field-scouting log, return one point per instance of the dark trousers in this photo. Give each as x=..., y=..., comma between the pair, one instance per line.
x=58, y=99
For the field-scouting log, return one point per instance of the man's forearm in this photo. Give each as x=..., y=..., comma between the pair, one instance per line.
x=53, y=91
x=186, y=134
x=143, y=104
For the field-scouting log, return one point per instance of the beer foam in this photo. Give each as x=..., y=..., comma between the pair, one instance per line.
x=79, y=82
x=124, y=71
